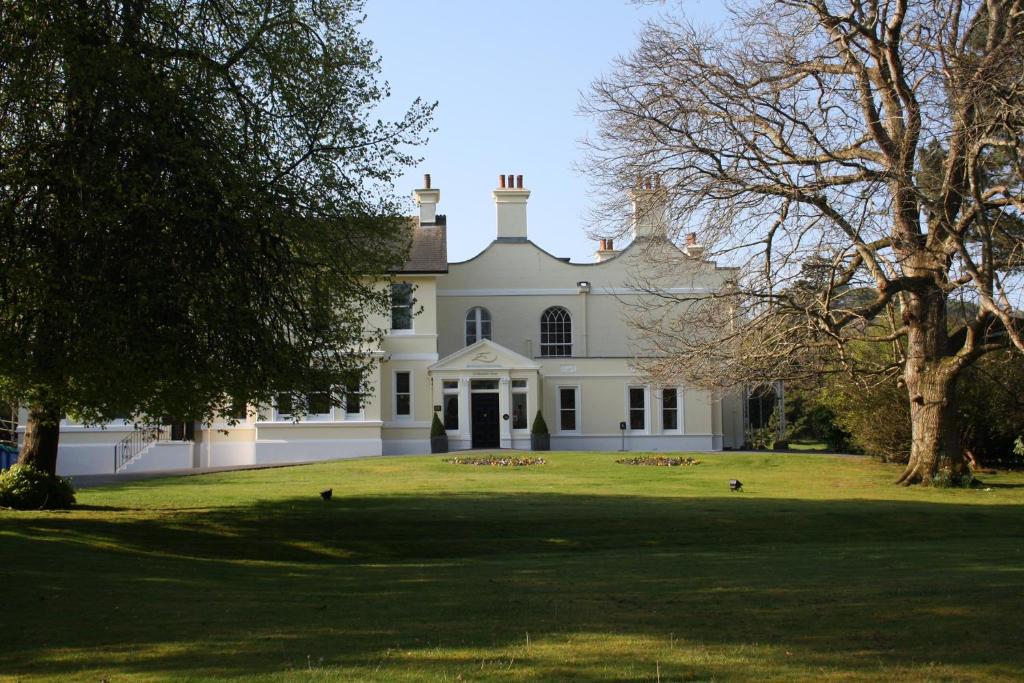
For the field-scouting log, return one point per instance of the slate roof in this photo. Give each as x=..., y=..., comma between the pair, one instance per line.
x=428, y=252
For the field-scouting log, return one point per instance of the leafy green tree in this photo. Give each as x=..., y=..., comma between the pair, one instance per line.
x=194, y=203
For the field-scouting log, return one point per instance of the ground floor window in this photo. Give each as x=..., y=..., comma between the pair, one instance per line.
x=353, y=399
x=450, y=404
x=403, y=394
x=670, y=409
x=637, y=409
x=568, y=409
x=519, y=416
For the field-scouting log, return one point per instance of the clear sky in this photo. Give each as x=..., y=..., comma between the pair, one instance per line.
x=508, y=77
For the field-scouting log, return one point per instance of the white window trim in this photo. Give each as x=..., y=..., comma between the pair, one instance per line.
x=572, y=334
x=680, y=397
x=558, y=409
x=308, y=417
x=457, y=393
x=394, y=397
x=647, y=409
x=412, y=312
x=513, y=390
x=478, y=323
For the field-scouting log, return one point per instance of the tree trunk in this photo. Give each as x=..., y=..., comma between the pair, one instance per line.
x=930, y=375
x=42, y=436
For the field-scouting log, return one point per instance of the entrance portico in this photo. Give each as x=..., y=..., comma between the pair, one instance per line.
x=486, y=395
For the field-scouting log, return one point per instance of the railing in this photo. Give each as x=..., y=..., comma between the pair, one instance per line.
x=136, y=442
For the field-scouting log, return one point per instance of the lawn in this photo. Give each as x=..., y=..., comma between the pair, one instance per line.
x=581, y=569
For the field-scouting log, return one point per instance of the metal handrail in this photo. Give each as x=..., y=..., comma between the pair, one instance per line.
x=133, y=444
x=9, y=430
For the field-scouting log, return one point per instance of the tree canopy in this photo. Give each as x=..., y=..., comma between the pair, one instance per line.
x=860, y=162
x=194, y=199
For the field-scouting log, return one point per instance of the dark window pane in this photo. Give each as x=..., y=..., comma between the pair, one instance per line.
x=568, y=398
x=284, y=404
x=402, y=404
x=668, y=398
x=451, y=412
x=670, y=409
x=518, y=411
x=636, y=408
x=401, y=306
x=401, y=382
x=483, y=384
x=319, y=403
x=568, y=420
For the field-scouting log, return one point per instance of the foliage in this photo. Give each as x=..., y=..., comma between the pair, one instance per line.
x=539, y=427
x=25, y=487
x=877, y=419
x=659, y=461
x=194, y=202
x=437, y=427
x=495, y=461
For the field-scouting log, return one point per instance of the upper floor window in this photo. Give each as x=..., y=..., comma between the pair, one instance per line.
x=478, y=325
x=555, y=333
x=401, y=306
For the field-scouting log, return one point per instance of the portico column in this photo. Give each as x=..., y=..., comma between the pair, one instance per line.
x=505, y=408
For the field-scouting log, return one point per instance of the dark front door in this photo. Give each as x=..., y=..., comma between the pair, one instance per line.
x=485, y=421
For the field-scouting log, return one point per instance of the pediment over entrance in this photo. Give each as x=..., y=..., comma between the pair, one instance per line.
x=484, y=355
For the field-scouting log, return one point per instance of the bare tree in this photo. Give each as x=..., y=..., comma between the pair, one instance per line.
x=860, y=161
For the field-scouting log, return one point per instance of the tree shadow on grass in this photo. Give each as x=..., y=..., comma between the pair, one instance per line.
x=842, y=586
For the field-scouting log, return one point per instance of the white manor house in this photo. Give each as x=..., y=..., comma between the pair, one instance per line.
x=485, y=343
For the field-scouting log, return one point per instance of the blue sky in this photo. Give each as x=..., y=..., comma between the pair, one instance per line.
x=508, y=78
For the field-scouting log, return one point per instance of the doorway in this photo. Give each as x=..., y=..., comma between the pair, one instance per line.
x=484, y=408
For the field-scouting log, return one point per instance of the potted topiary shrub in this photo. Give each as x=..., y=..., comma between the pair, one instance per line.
x=540, y=438
x=438, y=436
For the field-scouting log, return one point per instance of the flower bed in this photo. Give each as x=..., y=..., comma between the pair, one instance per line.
x=659, y=461
x=495, y=461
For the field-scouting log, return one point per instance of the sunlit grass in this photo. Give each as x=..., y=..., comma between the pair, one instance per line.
x=580, y=569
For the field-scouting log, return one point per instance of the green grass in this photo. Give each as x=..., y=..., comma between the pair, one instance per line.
x=581, y=569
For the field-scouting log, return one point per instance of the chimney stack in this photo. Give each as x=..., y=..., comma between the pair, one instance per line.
x=510, y=207
x=427, y=199
x=605, y=250
x=693, y=250
x=650, y=202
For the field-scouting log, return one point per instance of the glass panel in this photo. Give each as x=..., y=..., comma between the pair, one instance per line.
x=485, y=329
x=401, y=306
x=556, y=333
x=636, y=408
x=567, y=419
x=401, y=382
x=519, y=384
x=470, y=332
x=484, y=384
x=451, y=412
x=451, y=384
x=402, y=404
x=519, y=411
x=670, y=411
x=284, y=404
x=319, y=403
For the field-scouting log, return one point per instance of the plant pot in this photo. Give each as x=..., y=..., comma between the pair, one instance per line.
x=540, y=442
x=439, y=444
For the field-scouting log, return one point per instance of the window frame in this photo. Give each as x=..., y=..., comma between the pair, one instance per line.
x=480, y=316
x=630, y=410
x=410, y=305
x=448, y=393
x=523, y=391
x=547, y=346
x=395, y=393
x=680, y=394
x=577, y=409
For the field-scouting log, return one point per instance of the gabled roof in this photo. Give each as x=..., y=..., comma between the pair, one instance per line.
x=428, y=251
x=484, y=355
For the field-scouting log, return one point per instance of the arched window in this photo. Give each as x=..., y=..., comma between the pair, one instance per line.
x=556, y=333
x=478, y=325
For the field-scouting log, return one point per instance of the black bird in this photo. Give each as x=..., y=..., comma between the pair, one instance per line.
x=735, y=485
x=326, y=495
